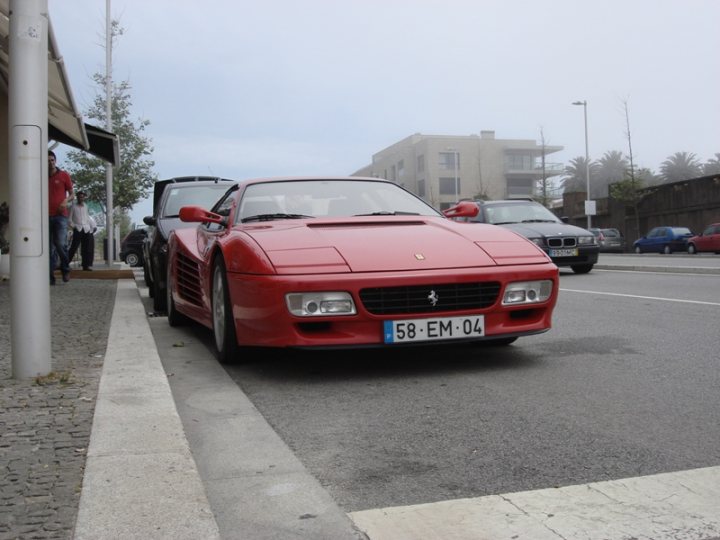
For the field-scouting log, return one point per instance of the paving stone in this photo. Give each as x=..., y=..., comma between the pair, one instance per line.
x=45, y=423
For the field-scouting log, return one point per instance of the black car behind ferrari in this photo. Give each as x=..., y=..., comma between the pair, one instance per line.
x=168, y=197
x=565, y=244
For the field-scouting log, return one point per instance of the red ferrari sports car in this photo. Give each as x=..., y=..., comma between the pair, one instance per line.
x=348, y=262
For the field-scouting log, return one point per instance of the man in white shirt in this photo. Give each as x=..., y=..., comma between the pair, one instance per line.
x=83, y=227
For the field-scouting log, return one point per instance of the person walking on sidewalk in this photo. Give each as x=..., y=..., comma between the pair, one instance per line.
x=83, y=231
x=60, y=195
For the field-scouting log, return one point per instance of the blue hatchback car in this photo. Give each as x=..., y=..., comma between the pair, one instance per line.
x=663, y=240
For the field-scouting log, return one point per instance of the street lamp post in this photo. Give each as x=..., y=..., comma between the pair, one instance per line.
x=456, y=158
x=587, y=162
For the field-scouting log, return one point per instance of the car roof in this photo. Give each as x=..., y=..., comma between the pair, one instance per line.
x=160, y=185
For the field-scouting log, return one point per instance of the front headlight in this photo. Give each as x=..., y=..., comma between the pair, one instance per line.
x=320, y=304
x=586, y=240
x=538, y=241
x=527, y=292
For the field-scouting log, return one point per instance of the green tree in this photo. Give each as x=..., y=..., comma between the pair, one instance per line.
x=680, y=166
x=712, y=165
x=133, y=177
x=628, y=192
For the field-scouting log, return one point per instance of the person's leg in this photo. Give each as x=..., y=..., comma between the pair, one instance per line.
x=59, y=238
x=76, y=242
x=52, y=256
x=86, y=252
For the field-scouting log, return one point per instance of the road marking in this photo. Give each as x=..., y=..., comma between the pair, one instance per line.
x=679, y=506
x=644, y=297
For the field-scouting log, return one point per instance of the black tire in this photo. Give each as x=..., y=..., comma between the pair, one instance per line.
x=147, y=278
x=160, y=296
x=666, y=250
x=226, y=346
x=132, y=259
x=691, y=249
x=175, y=318
x=582, y=268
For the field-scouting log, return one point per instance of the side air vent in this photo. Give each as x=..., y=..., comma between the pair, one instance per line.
x=188, y=280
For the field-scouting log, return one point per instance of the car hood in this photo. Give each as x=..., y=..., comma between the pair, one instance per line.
x=535, y=230
x=380, y=244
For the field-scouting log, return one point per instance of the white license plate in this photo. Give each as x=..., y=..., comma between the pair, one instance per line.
x=432, y=329
x=570, y=252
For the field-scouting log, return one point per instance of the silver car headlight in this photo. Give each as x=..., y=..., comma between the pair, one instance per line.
x=538, y=241
x=527, y=292
x=586, y=240
x=320, y=304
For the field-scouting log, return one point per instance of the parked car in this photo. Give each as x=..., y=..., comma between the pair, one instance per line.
x=168, y=197
x=708, y=240
x=565, y=244
x=610, y=240
x=363, y=263
x=131, y=247
x=663, y=239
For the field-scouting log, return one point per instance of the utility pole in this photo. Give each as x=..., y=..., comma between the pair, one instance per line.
x=109, y=217
x=28, y=168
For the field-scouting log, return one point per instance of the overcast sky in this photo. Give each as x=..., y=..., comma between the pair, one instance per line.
x=242, y=89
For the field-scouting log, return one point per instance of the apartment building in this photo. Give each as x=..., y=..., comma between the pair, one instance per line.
x=443, y=169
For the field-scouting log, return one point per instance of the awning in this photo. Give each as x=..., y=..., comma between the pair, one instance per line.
x=65, y=123
x=102, y=144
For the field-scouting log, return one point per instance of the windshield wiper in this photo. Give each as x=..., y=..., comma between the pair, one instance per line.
x=270, y=217
x=386, y=213
x=504, y=222
x=539, y=221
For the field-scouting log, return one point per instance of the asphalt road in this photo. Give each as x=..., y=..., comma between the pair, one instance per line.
x=624, y=385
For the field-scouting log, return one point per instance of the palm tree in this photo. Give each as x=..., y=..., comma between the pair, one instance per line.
x=712, y=165
x=575, y=175
x=613, y=167
x=680, y=166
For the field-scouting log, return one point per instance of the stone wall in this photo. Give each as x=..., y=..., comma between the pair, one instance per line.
x=693, y=203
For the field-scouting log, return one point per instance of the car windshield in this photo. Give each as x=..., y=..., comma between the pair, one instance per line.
x=499, y=214
x=191, y=194
x=299, y=199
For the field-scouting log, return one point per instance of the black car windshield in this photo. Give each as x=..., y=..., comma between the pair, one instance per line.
x=322, y=198
x=191, y=194
x=514, y=212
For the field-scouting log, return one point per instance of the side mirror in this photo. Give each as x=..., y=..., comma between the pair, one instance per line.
x=462, y=209
x=565, y=219
x=197, y=214
x=149, y=220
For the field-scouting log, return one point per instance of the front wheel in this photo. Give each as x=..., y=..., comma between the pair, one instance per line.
x=667, y=250
x=132, y=259
x=160, y=295
x=692, y=250
x=581, y=268
x=226, y=345
x=638, y=250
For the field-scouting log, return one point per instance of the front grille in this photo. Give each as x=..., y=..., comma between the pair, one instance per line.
x=188, y=279
x=562, y=241
x=419, y=298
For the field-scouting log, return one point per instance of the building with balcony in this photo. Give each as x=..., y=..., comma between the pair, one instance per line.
x=443, y=169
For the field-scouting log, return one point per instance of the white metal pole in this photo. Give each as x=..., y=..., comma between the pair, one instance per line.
x=457, y=187
x=587, y=164
x=28, y=167
x=109, y=211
